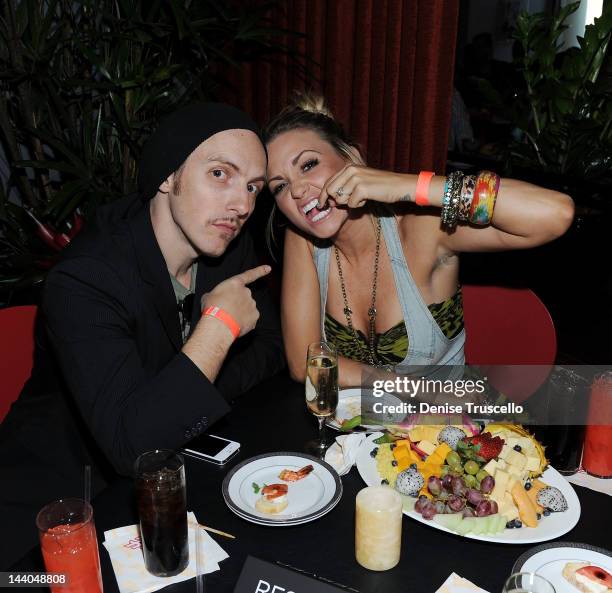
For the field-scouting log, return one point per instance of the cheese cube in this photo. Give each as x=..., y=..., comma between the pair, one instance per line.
x=504, y=452
x=491, y=467
x=512, y=480
x=516, y=459
x=515, y=471
x=497, y=494
x=526, y=444
x=512, y=441
x=427, y=447
x=501, y=479
x=508, y=508
x=501, y=464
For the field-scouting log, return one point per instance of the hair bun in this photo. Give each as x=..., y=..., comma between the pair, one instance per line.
x=312, y=103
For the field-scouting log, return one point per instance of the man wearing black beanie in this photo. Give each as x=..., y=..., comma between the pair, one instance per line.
x=154, y=317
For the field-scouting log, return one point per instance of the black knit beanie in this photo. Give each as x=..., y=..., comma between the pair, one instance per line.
x=179, y=134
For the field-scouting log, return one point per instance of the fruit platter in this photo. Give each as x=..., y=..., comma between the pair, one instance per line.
x=488, y=483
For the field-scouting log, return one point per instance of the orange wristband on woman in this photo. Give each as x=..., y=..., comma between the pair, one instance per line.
x=225, y=318
x=422, y=188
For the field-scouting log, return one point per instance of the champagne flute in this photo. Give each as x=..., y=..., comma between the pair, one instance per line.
x=321, y=389
x=527, y=582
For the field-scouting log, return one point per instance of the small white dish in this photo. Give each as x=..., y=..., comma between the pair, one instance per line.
x=549, y=560
x=309, y=498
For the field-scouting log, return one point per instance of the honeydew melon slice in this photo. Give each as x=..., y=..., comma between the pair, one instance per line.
x=498, y=524
x=473, y=525
x=465, y=526
x=450, y=521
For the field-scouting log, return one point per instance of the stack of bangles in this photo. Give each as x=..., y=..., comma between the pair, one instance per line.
x=467, y=198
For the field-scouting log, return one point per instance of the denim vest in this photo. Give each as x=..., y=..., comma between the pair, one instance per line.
x=427, y=344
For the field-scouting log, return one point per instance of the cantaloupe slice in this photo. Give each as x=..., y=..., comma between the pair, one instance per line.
x=532, y=493
x=526, y=510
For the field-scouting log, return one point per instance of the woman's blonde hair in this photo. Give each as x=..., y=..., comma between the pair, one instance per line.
x=308, y=111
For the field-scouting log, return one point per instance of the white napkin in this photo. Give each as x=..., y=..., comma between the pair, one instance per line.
x=581, y=478
x=456, y=584
x=125, y=551
x=342, y=454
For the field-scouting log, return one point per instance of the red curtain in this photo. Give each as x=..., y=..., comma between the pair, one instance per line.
x=385, y=68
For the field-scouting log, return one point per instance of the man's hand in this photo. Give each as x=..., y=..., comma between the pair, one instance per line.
x=211, y=339
x=234, y=296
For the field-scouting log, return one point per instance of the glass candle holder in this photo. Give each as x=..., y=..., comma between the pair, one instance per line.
x=378, y=527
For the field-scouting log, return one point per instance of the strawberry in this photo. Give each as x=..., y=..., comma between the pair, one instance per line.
x=481, y=447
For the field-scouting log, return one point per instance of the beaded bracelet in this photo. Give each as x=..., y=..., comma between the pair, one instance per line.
x=485, y=194
x=452, y=196
x=467, y=195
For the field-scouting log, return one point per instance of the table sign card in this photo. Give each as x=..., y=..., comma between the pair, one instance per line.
x=259, y=576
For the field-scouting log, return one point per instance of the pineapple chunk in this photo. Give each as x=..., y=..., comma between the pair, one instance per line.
x=430, y=433
x=533, y=463
x=416, y=434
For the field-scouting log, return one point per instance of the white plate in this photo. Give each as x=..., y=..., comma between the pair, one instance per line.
x=350, y=403
x=549, y=560
x=555, y=525
x=309, y=498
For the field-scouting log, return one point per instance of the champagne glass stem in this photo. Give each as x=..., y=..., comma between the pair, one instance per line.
x=321, y=420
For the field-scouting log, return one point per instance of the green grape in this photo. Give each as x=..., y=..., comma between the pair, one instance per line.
x=471, y=467
x=470, y=480
x=453, y=458
x=481, y=475
x=445, y=470
x=456, y=470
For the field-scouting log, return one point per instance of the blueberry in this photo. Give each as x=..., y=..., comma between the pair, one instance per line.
x=527, y=484
x=546, y=512
x=374, y=452
x=518, y=523
x=510, y=525
x=394, y=463
x=413, y=466
x=384, y=482
x=518, y=448
x=538, y=516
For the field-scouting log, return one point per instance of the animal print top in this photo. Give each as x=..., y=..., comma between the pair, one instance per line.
x=392, y=345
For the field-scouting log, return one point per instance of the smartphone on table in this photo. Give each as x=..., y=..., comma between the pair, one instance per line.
x=209, y=447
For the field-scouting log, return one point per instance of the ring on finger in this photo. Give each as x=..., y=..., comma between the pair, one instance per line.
x=340, y=192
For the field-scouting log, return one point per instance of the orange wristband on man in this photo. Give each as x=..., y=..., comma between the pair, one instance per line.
x=225, y=318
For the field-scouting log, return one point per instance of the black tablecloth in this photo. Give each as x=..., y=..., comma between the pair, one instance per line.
x=273, y=418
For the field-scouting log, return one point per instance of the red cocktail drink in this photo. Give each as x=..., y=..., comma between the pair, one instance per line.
x=597, y=456
x=69, y=545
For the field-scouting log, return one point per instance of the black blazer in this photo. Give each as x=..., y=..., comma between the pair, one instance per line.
x=112, y=321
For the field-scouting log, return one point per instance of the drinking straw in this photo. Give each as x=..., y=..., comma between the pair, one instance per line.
x=87, y=484
x=199, y=562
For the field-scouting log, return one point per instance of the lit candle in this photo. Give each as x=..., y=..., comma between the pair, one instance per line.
x=378, y=527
